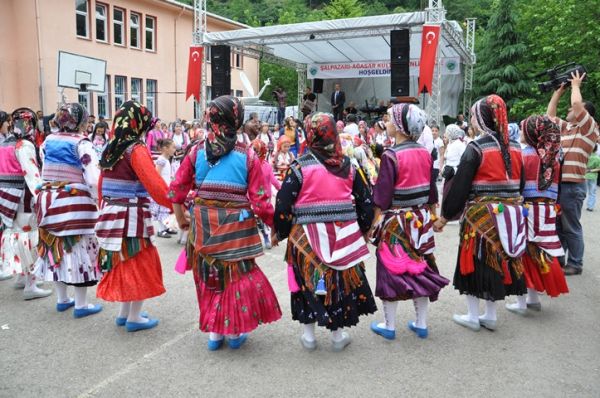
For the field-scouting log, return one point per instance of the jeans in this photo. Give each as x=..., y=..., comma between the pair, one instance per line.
x=570, y=232
x=280, y=116
x=591, y=192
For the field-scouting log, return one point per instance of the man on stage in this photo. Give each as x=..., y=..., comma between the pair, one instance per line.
x=338, y=98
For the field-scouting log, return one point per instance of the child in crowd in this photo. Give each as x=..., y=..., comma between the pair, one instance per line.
x=261, y=151
x=283, y=158
x=163, y=166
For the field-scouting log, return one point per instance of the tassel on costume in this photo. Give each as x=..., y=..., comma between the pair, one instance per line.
x=467, y=251
x=507, y=279
x=320, y=290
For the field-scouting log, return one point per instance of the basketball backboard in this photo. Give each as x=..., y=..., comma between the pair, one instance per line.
x=81, y=72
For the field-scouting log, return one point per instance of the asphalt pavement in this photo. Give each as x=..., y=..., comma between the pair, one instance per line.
x=553, y=353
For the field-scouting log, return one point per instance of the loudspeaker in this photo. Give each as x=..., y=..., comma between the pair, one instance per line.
x=318, y=86
x=400, y=62
x=220, y=67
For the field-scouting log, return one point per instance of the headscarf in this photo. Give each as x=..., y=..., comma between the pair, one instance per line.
x=260, y=148
x=409, y=119
x=4, y=117
x=324, y=143
x=514, y=133
x=453, y=132
x=71, y=117
x=284, y=139
x=24, y=122
x=491, y=117
x=224, y=117
x=381, y=125
x=339, y=124
x=131, y=121
x=544, y=135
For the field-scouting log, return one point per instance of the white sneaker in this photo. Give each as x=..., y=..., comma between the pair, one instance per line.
x=514, y=307
x=5, y=276
x=36, y=293
x=338, y=346
x=489, y=324
x=464, y=320
x=307, y=344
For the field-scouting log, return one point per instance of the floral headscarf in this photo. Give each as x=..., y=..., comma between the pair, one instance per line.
x=453, y=132
x=543, y=134
x=324, y=143
x=491, y=118
x=24, y=122
x=131, y=121
x=224, y=117
x=71, y=118
x=409, y=119
x=284, y=139
x=260, y=148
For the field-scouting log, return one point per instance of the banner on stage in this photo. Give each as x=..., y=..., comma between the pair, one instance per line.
x=352, y=70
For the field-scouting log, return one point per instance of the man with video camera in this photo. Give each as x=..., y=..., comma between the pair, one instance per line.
x=579, y=133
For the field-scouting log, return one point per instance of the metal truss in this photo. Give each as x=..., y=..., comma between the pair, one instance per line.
x=301, y=86
x=199, y=38
x=470, y=46
x=436, y=15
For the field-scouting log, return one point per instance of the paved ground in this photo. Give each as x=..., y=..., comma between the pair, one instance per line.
x=554, y=353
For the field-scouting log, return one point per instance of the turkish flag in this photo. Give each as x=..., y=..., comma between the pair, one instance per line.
x=194, y=80
x=431, y=35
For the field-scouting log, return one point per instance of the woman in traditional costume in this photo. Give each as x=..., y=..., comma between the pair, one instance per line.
x=128, y=257
x=67, y=212
x=326, y=247
x=488, y=183
x=404, y=195
x=234, y=295
x=541, y=167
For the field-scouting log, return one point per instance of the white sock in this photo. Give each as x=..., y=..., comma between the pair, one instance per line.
x=389, y=315
x=215, y=336
x=124, y=309
x=309, y=332
x=20, y=279
x=490, y=311
x=421, y=304
x=61, y=293
x=30, y=285
x=81, y=298
x=473, y=308
x=336, y=335
x=533, y=296
x=233, y=336
x=521, y=302
x=162, y=226
x=134, y=312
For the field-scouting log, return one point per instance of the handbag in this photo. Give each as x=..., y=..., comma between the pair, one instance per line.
x=448, y=172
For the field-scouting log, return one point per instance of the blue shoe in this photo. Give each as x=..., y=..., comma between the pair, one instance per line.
x=385, y=333
x=135, y=326
x=235, y=344
x=421, y=332
x=82, y=312
x=214, y=345
x=123, y=321
x=62, y=307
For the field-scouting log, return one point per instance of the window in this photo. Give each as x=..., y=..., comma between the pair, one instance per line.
x=120, y=91
x=81, y=17
x=101, y=23
x=239, y=93
x=119, y=26
x=151, y=96
x=208, y=93
x=84, y=100
x=104, y=100
x=136, y=89
x=207, y=53
x=237, y=59
x=134, y=30
x=150, y=33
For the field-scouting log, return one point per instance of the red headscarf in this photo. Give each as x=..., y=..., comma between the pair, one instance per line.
x=260, y=148
x=544, y=135
x=324, y=143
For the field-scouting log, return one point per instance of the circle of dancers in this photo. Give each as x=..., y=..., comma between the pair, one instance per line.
x=86, y=217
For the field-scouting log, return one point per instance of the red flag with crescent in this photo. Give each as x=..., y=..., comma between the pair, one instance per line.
x=194, y=79
x=431, y=35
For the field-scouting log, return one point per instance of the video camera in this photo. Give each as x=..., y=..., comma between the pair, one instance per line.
x=558, y=75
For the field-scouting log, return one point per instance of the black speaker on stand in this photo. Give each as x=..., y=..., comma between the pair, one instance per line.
x=400, y=62
x=220, y=68
x=318, y=86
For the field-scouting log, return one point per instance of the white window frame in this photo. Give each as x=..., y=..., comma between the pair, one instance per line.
x=120, y=96
x=105, y=97
x=151, y=96
x=85, y=14
x=120, y=25
x=151, y=31
x=137, y=96
x=103, y=19
x=88, y=100
x=137, y=28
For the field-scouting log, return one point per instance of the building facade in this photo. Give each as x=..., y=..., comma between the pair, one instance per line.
x=144, y=42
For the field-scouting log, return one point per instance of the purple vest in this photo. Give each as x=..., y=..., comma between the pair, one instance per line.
x=324, y=197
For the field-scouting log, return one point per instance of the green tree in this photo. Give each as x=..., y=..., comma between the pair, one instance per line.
x=286, y=78
x=344, y=9
x=497, y=70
